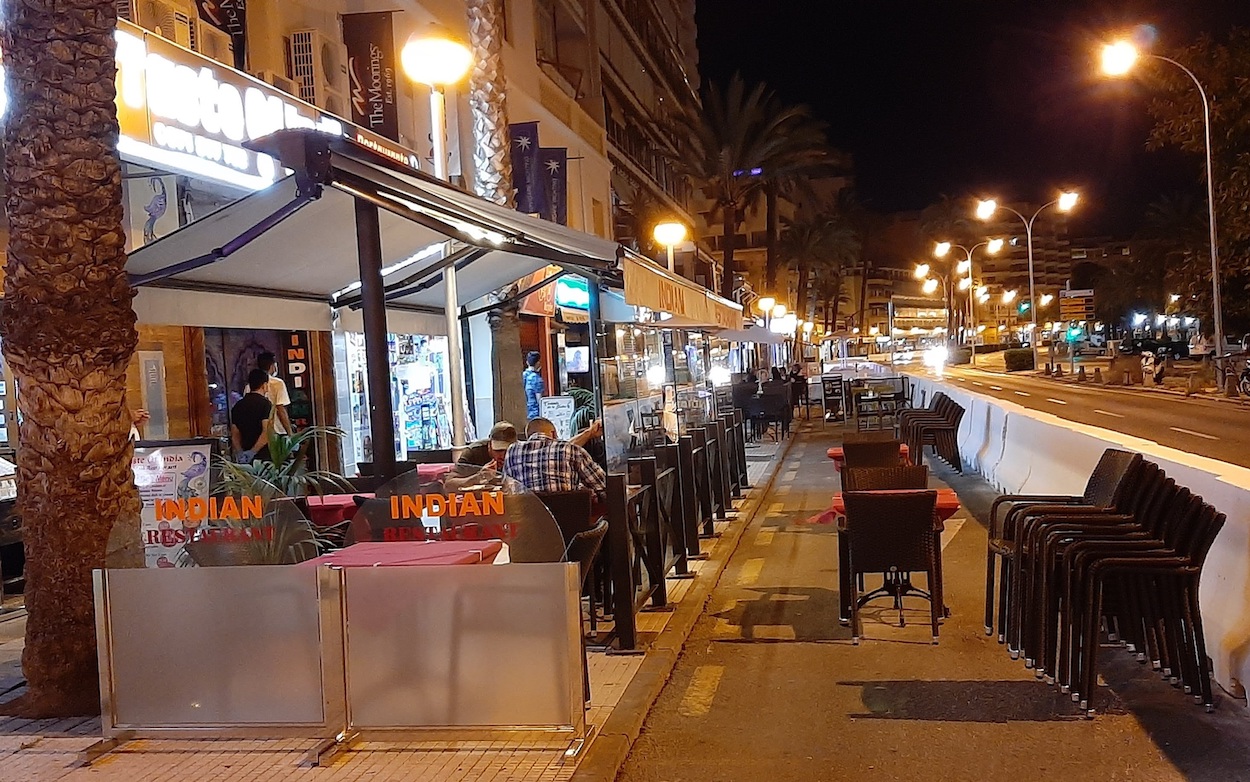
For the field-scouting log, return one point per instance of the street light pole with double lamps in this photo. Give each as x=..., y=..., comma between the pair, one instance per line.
x=1117, y=60
x=1064, y=203
x=942, y=249
x=438, y=59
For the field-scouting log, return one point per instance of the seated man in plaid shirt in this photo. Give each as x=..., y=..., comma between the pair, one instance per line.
x=543, y=463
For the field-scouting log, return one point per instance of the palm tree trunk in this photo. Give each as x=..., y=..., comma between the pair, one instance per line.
x=492, y=159
x=69, y=332
x=863, y=299
x=805, y=278
x=771, y=260
x=730, y=225
x=507, y=362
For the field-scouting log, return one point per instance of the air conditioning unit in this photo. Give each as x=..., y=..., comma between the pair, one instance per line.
x=174, y=20
x=212, y=42
x=278, y=80
x=320, y=67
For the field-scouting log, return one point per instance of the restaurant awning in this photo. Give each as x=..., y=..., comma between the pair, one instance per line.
x=685, y=303
x=296, y=242
x=756, y=334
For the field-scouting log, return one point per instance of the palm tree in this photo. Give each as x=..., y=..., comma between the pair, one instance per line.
x=790, y=178
x=68, y=333
x=725, y=147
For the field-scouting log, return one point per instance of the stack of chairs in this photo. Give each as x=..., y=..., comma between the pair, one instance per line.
x=936, y=425
x=1130, y=565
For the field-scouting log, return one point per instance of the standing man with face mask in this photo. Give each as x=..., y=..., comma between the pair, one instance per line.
x=275, y=392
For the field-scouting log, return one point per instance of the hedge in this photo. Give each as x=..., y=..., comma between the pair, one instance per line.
x=1018, y=359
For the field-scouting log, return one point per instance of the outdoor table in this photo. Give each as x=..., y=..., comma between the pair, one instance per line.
x=329, y=509
x=432, y=552
x=433, y=472
x=947, y=506
x=839, y=455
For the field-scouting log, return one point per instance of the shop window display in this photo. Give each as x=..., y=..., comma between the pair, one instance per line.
x=419, y=394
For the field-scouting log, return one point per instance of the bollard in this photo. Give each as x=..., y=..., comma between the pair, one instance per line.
x=1080, y=375
x=1097, y=374
x=1046, y=371
x=1230, y=387
x=1058, y=371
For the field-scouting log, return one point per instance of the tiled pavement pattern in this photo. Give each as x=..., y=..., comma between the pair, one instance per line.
x=48, y=751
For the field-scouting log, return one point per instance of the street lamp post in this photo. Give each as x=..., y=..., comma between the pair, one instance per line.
x=1064, y=203
x=670, y=234
x=992, y=246
x=437, y=59
x=1117, y=60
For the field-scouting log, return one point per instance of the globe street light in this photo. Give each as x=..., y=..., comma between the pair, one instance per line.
x=1118, y=59
x=438, y=59
x=670, y=234
x=765, y=303
x=1064, y=203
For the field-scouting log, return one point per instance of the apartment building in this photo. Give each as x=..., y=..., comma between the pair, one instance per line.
x=1009, y=269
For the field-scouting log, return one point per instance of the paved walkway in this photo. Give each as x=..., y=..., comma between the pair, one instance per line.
x=769, y=685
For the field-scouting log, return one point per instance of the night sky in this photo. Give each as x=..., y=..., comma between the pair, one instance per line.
x=970, y=97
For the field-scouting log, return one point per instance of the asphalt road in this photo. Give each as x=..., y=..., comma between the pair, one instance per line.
x=769, y=686
x=1219, y=430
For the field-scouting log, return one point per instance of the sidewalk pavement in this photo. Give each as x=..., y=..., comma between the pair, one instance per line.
x=623, y=687
x=769, y=685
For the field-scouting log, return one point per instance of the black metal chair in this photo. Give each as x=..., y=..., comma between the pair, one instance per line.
x=891, y=533
x=583, y=548
x=885, y=478
x=572, y=513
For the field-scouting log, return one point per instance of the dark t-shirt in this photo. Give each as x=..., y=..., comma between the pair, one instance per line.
x=250, y=414
x=477, y=454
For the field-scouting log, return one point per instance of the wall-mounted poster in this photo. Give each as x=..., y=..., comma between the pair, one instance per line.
x=177, y=470
x=151, y=209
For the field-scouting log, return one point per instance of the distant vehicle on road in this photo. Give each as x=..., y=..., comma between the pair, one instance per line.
x=1200, y=346
x=1157, y=347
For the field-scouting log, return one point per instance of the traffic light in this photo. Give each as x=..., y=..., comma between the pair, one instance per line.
x=1024, y=307
x=1074, y=333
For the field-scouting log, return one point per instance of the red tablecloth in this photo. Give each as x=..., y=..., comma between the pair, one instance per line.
x=434, y=552
x=947, y=506
x=432, y=472
x=839, y=456
x=329, y=509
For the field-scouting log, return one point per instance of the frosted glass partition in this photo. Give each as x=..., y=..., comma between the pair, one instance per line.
x=464, y=647
x=221, y=651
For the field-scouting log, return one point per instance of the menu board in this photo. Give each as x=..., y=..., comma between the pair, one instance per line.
x=169, y=471
x=559, y=411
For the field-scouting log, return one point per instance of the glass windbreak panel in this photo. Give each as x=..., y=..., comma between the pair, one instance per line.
x=465, y=503
x=463, y=646
x=215, y=646
x=251, y=523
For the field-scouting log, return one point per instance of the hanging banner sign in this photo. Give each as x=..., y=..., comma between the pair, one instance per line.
x=541, y=302
x=371, y=68
x=168, y=475
x=527, y=178
x=556, y=182
x=297, y=369
x=229, y=16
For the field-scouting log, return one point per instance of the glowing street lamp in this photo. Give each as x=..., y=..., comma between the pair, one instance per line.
x=438, y=59
x=1047, y=298
x=670, y=234
x=942, y=249
x=964, y=267
x=922, y=271
x=765, y=303
x=1064, y=203
x=930, y=285
x=1009, y=296
x=779, y=311
x=1118, y=59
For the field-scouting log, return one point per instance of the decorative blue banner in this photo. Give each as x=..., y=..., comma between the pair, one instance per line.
x=527, y=177
x=555, y=163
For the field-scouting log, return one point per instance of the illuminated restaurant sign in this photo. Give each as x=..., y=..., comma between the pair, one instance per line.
x=181, y=111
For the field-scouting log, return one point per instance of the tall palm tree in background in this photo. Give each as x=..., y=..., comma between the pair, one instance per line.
x=819, y=246
x=725, y=147
x=790, y=178
x=69, y=332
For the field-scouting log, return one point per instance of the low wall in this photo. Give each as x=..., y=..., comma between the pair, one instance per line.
x=1019, y=450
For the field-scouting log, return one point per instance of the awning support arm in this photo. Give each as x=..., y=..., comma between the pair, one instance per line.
x=518, y=295
x=466, y=254
x=230, y=247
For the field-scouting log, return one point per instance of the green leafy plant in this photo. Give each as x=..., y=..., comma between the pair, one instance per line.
x=287, y=469
x=583, y=408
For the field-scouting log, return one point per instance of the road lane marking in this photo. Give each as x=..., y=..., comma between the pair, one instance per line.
x=697, y=701
x=961, y=380
x=764, y=537
x=1056, y=401
x=975, y=383
x=750, y=572
x=996, y=388
x=1195, y=434
x=1023, y=393
x=1108, y=412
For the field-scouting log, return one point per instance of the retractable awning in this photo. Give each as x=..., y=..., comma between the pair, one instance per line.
x=296, y=243
x=684, y=303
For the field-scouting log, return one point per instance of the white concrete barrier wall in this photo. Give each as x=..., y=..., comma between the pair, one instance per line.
x=1019, y=450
